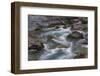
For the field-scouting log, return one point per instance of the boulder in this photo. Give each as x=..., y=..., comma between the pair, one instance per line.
x=75, y=36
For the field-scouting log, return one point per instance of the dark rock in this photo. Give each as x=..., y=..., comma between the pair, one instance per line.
x=79, y=24
x=37, y=47
x=75, y=36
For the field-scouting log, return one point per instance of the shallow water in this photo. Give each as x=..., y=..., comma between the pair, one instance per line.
x=59, y=47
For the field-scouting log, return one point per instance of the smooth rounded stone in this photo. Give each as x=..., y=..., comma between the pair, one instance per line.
x=75, y=36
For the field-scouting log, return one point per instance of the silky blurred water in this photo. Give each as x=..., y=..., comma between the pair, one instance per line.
x=59, y=47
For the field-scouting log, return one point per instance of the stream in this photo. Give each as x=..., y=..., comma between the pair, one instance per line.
x=59, y=47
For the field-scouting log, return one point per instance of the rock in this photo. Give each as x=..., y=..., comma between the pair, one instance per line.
x=75, y=36
x=37, y=47
x=48, y=34
x=83, y=41
x=79, y=24
x=35, y=21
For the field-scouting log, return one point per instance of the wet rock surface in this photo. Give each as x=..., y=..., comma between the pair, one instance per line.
x=75, y=36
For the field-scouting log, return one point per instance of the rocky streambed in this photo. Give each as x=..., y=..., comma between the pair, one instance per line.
x=57, y=37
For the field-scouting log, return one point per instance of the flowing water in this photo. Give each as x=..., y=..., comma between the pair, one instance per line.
x=59, y=47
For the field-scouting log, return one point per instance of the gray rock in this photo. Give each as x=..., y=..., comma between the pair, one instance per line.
x=83, y=41
x=75, y=36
